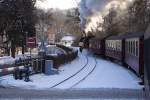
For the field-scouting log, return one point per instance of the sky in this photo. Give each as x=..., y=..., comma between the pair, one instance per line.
x=61, y=4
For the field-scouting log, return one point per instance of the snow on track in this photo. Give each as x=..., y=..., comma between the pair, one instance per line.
x=80, y=76
x=71, y=75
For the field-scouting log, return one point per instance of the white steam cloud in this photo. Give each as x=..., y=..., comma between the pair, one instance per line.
x=92, y=12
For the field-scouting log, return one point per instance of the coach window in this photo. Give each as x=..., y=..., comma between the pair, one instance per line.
x=111, y=45
x=117, y=46
x=120, y=46
x=129, y=47
x=132, y=47
x=100, y=45
x=137, y=48
x=108, y=43
x=126, y=46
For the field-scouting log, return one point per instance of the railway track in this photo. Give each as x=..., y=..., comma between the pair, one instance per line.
x=86, y=75
x=72, y=75
x=87, y=66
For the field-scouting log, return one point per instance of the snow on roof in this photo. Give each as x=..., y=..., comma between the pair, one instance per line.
x=68, y=38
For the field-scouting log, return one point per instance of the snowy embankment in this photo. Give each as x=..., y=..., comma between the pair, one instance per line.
x=106, y=75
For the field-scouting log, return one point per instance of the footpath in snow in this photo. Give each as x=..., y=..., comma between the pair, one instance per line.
x=105, y=75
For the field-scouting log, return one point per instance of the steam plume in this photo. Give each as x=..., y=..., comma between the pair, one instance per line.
x=92, y=12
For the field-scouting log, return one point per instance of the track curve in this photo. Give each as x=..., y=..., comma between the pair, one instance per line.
x=85, y=76
x=72, y=75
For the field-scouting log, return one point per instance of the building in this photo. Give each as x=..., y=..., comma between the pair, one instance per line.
x=67, y=40
x=51, y=34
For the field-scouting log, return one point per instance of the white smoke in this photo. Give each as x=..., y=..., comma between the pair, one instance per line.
x=89, y=9
x=92, y=12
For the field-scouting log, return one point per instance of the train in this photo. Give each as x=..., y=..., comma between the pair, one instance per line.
x=126, y=48
x=131, y=49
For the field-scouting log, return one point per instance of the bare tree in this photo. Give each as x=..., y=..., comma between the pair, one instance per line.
x=42, y=24
x=138, y=19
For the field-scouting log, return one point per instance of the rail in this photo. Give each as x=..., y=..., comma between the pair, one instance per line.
x=78, y=72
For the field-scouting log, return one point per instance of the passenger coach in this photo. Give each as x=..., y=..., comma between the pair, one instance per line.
x=127, y=48
x=97, y=46
x=134, y=51
x=115, y=48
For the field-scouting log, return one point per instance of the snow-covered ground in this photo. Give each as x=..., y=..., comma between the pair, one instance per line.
x=71, y=82
x=41, y=81
x=106, y=75
x=110, y=75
